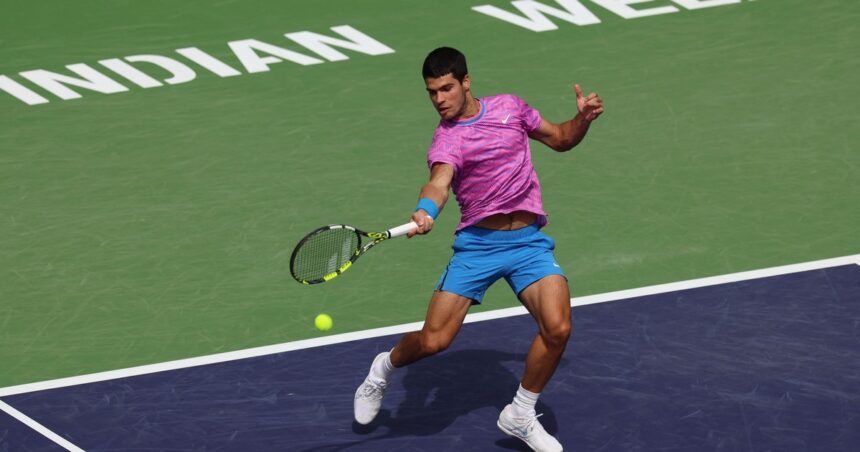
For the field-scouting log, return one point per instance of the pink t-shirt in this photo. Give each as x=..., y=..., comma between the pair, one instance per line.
x=492, y=162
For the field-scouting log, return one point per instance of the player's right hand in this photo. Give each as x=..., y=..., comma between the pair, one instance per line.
x=424, y=222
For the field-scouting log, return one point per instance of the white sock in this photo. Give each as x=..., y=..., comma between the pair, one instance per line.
x=524, y=402
x=381, y=369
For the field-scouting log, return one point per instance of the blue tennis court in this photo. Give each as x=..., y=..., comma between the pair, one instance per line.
x=770, y=363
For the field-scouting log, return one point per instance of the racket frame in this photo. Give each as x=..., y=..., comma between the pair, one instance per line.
x=375, y=237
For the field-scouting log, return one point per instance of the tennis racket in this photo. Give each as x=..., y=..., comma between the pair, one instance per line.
x=330, y=250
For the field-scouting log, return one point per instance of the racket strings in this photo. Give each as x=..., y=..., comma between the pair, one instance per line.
x=324, y=253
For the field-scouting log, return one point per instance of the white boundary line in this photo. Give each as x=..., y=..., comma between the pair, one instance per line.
x=23, y=418
x=399, y=329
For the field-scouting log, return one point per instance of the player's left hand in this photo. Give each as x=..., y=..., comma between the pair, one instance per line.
x=590, y=107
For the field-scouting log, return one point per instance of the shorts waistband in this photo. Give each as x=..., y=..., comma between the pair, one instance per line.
x=494, y=234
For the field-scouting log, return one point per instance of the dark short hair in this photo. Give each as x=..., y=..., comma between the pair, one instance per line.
x=443, y=61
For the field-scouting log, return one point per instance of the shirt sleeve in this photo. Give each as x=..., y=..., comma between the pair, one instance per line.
x=444, y=149
x=530, y=116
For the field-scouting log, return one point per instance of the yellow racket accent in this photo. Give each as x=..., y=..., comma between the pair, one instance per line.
x=342, y=269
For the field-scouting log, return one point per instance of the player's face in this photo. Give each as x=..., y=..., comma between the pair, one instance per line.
x=448, y=95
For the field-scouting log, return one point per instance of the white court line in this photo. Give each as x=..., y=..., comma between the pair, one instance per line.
x=23, y=418
x=399, y=329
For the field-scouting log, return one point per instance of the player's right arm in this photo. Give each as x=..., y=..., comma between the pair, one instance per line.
x=436, y=190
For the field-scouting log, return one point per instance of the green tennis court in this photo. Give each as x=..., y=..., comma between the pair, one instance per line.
x=141, y=225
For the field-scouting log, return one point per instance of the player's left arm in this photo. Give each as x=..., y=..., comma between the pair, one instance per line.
x=563, y=137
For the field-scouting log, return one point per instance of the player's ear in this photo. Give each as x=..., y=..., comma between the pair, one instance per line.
x=467, y=82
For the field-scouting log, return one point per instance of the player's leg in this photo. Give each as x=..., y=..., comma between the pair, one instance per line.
x=548, y=301
x=463, y=283
x=444, y=318
x=542, y=288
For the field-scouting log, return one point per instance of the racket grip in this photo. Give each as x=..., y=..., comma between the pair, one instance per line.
x=403, y=229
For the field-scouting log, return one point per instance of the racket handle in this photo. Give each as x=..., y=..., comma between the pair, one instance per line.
x=403, y=229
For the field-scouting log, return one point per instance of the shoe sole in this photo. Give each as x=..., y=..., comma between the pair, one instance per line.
x=512, y=434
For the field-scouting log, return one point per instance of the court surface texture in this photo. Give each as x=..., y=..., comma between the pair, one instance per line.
x=159, y=160
x=766, y=363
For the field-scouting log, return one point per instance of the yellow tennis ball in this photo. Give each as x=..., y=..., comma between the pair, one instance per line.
x=323, y=322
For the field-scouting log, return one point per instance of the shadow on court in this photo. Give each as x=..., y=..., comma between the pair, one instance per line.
x=439, y=390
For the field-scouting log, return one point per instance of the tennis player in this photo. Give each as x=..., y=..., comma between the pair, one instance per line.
x=481, y=150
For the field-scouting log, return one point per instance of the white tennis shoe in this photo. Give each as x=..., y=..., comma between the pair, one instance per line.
x=529, y=430
x=368, y=396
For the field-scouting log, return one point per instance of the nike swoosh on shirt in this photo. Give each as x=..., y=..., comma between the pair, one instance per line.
x=505, y=121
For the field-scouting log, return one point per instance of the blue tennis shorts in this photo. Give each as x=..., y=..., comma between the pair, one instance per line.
x=482, y=256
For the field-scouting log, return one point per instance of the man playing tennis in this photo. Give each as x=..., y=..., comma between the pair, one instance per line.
x=481, y=150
